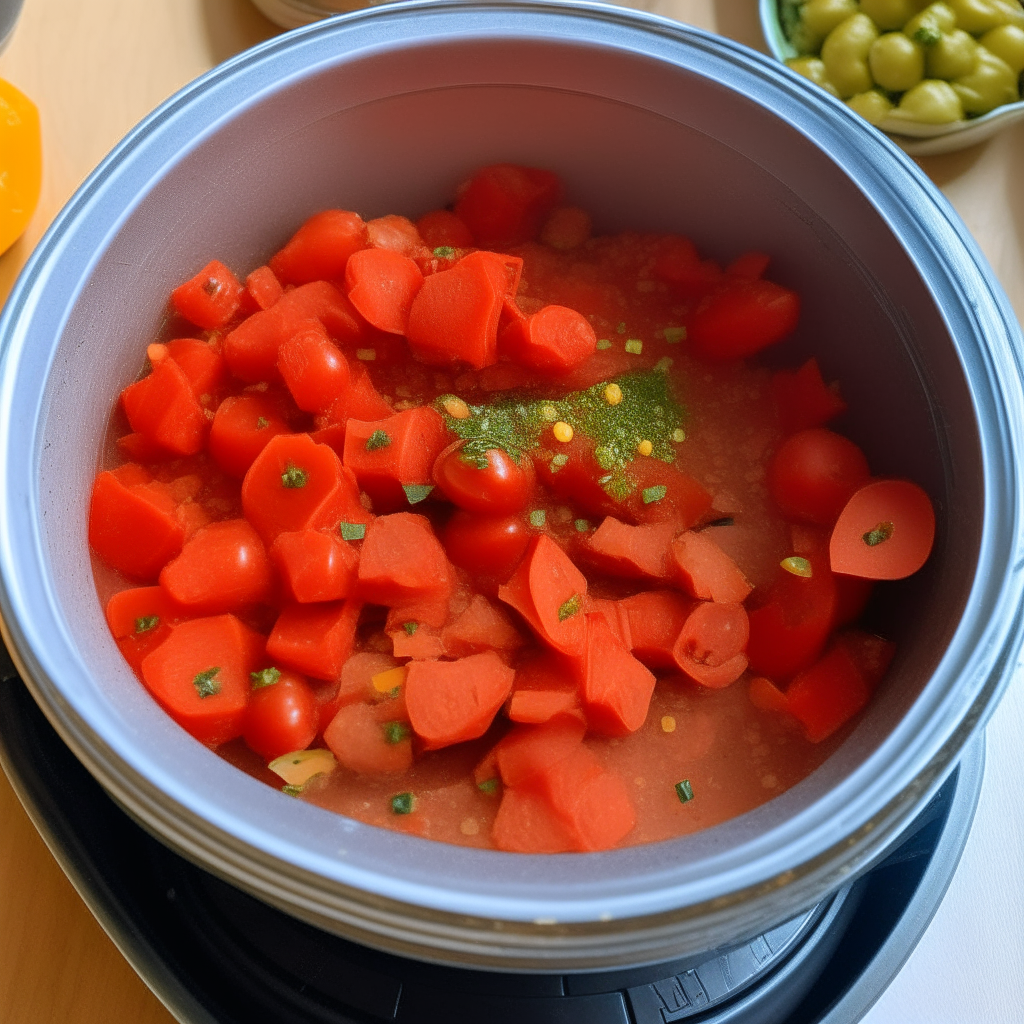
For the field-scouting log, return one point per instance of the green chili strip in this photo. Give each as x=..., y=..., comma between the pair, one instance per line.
x=264, y=677
x=570, y=608
x=204, y=682
x=655, y=493
x=145, y=623
x=352, y=531
x=684, y=791
x=294, y=477
x=403, y=803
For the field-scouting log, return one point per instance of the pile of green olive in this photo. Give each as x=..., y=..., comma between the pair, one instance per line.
x=932, y=63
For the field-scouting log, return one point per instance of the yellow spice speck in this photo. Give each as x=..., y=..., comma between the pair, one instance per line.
x=613, y=394
x=457, y=409
x=668, y=723
x=645, y=447
x=385, y=682
x=562, y=431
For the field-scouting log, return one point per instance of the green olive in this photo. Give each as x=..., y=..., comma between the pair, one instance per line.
x=977, y=16
x=819, y=17
x=845, y=53
x=873, y=106
x=896, y=62
x=928, y=26
x=931, y=102
x=991, y=84
x=1007, y=43
x=814, y=69
x=890, y=14
x=955, y=54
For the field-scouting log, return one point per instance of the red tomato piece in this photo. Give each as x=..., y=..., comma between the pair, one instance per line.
x=141, y=610
x=164, y=409
x=402, y=561
x=679, y=264
x=242, y=428
x=295, y=484
x=705, y=571
x=443, y=228
x=662, y=494
x=315, y=565
x=482, y=626
x=710, y=645
x=200, y=675
x=319, y=250
x=382, y=285
x=804, y=399
x=395, y=233
x=223, y=568
x=654, y=620
x=885, y=532
x=494, y=483
x=635, y=552
x=210, y=299
x=553, y=338
x=364, y=739
x=315, y=639
x=202, y=364
x=281, y=716
x=313, y=368
x=742, y=317
x=616, y=687
x=506, y=204
x=263, y=287
x=360, y=400
x=750, y=266
x=491, y=546
x=814, y=474
x=389, y=455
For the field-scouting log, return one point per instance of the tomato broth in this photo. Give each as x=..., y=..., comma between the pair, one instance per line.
x=489, y=531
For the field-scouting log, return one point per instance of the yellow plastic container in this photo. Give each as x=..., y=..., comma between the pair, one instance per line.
x=21, y=163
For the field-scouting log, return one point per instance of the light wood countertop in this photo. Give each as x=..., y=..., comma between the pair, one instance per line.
x=94, y=69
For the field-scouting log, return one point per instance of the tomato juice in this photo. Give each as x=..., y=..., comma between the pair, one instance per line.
x=499, y=524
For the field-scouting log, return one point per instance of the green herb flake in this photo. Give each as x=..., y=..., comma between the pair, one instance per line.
x=674, y=335
x=634, y=346
x=684, y=791
x=488, y=786
x=678, y=435
x=403, y=803
x=378, y=439
x=558, y=461
x=395, y=732
x=262, y=423
x=145, y=623
x=264, y=677
x=538, y=517
x=415, y=493
x=410, y=628
x=603, y=344
x=621, y=329
x=882, y=532
x=290, y=790
x=444, y=252
x=352, y=531
x=205, y=683
x=582, y=525
x=570, y=608
x=294, y=477
x=653, y=494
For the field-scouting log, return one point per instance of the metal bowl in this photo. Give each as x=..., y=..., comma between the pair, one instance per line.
x=653, y=125
x=912, y=137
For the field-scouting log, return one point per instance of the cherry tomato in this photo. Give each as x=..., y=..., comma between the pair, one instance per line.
x=814, y=474
x=488, y=545
x=282, y=716
x=500, y=486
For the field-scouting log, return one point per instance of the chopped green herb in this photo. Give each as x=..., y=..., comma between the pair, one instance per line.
x=145, y=623
x=653, y=494
x=444, y=252
x=403, y=803
x=262, y=423
x=265, y=677
x=415, y=493
x=684, y=791
x=488, y=786
x=410, y=627
x=634, y=346
x=603, y=344
x=538, y=517
x=582, y=525
x=395, y=732
x=621, y=329
x=204, y=682
x=674, y=335
x=558, y=461
x=678, y=435
x=378, y=439
x=664, y=364
x=291, y=790
x=352, y=531
x=882, y=532
x=797, y=566
x=293, y=477
x=724, y=521
x=570, y=608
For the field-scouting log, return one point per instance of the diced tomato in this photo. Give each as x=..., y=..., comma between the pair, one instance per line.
x=804, y=400
x=242, y=428
x=315, y=639
x=493, y=482
x=320, y=249
x=402, y=561
x=315, y=565
x=491, y=546
x=211, y=298
x=741, y=317
x=163, y=408
x=505, y=204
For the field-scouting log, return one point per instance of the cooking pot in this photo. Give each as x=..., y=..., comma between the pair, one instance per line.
x=652, y=126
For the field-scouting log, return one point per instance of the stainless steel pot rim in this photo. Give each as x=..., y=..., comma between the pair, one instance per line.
x=638, y=884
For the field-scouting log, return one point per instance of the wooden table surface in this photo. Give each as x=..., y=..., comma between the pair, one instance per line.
x=95, y=69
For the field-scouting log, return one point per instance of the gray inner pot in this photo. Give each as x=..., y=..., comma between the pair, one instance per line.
x=653, y=126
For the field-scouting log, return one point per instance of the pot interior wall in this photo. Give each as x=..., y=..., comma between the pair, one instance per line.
x=641, y=144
